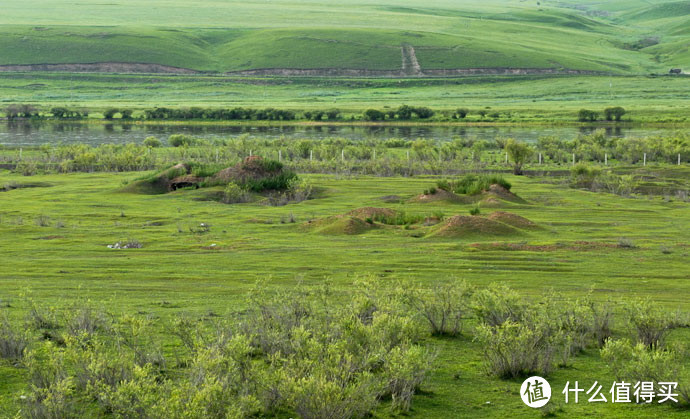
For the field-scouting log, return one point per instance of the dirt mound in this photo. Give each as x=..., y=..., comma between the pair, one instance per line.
x=513, y=220
x=440, y=196
x=251, y=168
x=472, y=226
x=491, y=202
x=372, y=212
x=185, y=181
x=498, y=191
x=340, y=225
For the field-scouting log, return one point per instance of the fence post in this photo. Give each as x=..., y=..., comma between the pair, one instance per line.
x=408, y=154
x=644, y=159
x=374, y=154
x=311, y=155
x=216, y=155
x=573, y=159
x=506, y=158
x=342, y=155
x=250, y=153
x=21, y=150
x=280, y=155
x=678, y=159
x=540, y=158
x=606, y=159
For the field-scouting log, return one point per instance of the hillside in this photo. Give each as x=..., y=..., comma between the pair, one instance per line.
x=385, y=38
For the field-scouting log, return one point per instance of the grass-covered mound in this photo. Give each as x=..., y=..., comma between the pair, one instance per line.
x=253, y=174
x=338, y=225
x=466, y=226
x=513, y=220
x=489, y=190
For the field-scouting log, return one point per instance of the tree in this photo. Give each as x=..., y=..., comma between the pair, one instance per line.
x=126, y=113
x=616, y=113
x=518, y=152
x=374, y=115
x=59, y=112
x=332, y=114
x=482, y=114
x=423, y=112
x=585, y=115
x=461, y=113
x=110, y=113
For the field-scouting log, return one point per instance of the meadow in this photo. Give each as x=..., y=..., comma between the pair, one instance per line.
x=200, y=259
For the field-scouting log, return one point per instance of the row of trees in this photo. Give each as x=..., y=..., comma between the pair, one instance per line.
x=401, y=113
x=610, y=114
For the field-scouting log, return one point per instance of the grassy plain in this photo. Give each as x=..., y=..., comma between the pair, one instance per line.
x=524, y=98
x=178, y=271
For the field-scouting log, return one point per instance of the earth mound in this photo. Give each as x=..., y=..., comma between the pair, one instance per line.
x=498, y=191
x=513, y=220
x=252, y=168
x=372, y=213
x=337, y=225
x=440, y=196
x=472, y=226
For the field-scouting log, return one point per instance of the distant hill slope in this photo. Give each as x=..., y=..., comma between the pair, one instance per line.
x=621, y=37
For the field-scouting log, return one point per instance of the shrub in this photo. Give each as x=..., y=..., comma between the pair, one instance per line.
x=616, y=113
x=515, y=349
x=110, y=113
x=152, y=142
x=461, y=113
x=405, y=370
x=497, y=304
x=442, y=306
x=585, y=115
x=374, y=115
x=235, y=194
x=13, y=342
x=182, y=140
x=475, y=210
x=636, y=363
x=649, y=321
x=518, y=152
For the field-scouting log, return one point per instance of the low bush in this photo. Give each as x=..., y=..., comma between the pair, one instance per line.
x=650, y=322
x=152, y=142
x=443, y=307
x=235, y=194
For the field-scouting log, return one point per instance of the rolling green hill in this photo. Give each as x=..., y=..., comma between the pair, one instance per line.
x=619, y=37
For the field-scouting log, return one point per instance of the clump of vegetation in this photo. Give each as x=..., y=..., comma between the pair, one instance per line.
x=650, y=322
x=519, y=153
x=152, y=142
x=635, y=363
x=235, y=194
x=586, y=115
x=444, y=307
x=473, y=184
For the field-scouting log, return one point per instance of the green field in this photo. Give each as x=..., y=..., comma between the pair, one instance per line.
x=54, y=238
x=524, y=98
x=619, y=37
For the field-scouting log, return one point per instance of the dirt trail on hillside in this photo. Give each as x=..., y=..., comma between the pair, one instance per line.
x=410, y=65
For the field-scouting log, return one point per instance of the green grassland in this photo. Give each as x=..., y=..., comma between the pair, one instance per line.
x=526, y=98
x=232, y=35
x=54, y=238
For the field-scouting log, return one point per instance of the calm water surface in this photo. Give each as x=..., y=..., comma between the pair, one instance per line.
x=37, y=133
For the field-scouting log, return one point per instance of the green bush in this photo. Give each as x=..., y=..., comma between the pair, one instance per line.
x=649, y=321
x=443, y=307
x=152, y=142
x=235, y=194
